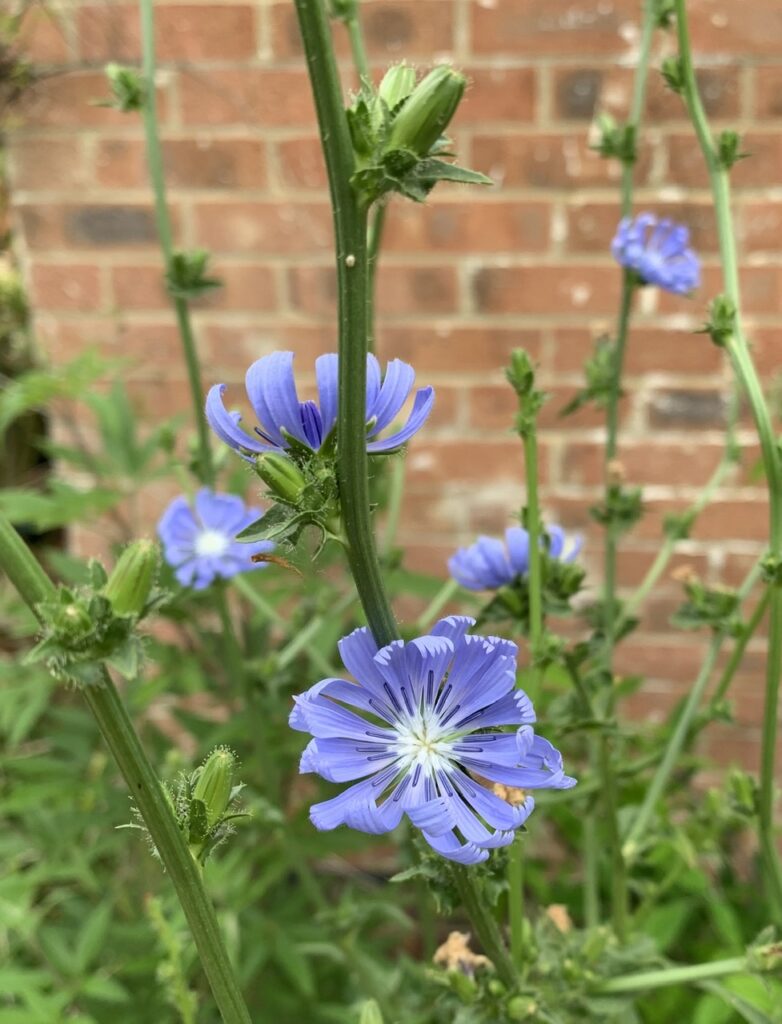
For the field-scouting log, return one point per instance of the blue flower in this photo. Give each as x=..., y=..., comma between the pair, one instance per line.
x=271, y=389
x=199, y=542
x=420, y=728
x=658, y=251
x=488, y=563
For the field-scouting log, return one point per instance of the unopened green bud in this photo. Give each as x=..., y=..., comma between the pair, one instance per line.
x=131, y=581
x=370, y=1013
x=398, y=82
x=672, y=71
x=215, y=784
x=282, y=476
x=521, y=1008
x=127, y=88
x=427, y=111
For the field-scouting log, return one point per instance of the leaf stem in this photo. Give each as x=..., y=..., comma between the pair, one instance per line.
x=206, y=470
x=679, y=975
x=486, y=927
x=744, y=368
x=35, y=587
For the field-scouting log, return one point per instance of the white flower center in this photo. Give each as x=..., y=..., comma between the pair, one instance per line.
x=211, y=544
x=422, y=742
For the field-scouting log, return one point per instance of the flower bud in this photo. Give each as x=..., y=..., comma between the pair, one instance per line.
x=282, y=476
x=130, y=583
x=370, y=1013
x=428, y=111
x=398, y=82
x=215, y=784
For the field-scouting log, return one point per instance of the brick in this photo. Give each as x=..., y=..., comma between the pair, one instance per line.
x=653, y=462
x=546, y=290
x=247, y=96
x=42, y=36
x=676, y=408
x=451, y=348
x=38, y=163
x=72, y=287
x=468, y=226
x=405, y=290
x=687, y=166
x=71, y=100
x=739, y=520
x=649, y=351
x=403, y=29
x=767, y=351
x=768, y=93
x=580, y=93
x=189, y=163
x=552, y=27
x=94, y=226
x=760, y=288
x=274, y=227
x=731, y=26
x=497, y=94
x=447, y=461
x=592, y=226
x=300, y=163
x=759, y=226
x=188, y=32
x=549, y=161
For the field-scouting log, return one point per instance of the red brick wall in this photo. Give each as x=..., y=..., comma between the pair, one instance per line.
x=462, y=281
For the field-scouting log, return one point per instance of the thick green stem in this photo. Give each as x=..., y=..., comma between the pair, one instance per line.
x=746, y=373
x=485, y=926
x=165, y=236
x=674, y=976
x=350, y=228
x=675, y=744
x=35, y=588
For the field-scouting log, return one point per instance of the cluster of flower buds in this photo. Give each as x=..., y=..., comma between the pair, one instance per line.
x=87, y=626
x=398, y=134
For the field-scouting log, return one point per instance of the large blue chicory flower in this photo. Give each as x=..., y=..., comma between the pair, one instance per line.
x=271, y=389
x=419, y=727
x=658, y=251
x=488, y=563
x=199, y=541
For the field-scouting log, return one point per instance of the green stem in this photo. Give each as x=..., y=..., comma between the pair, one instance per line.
x=618, y=867
x=350, y=227
x=231, y=648
x=675, y=744
x=740, y=647
x=303, y=637
x=396, y=494
x=153, y=804
x=674, y=976
x=746, y=373
x=637, y=105
x=374, y=240
x=448, y=590
x=357, y=47
x=165, y=237
x=485, y=926
x=658, y=566
x=591, y=887
x=516, y=901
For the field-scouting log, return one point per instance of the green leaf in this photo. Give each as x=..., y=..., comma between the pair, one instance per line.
x=441, y=170
x=746, y=1010
x=92, y=936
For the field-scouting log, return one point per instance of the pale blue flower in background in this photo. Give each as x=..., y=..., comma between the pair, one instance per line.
x=199, y=540
x=489, y=563
x=658, y=250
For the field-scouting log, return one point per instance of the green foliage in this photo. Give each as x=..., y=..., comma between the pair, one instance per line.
x=616, y=141
x=187, y=278
x=127, y=86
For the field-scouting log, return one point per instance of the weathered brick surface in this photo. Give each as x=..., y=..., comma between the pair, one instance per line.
x=462, y=281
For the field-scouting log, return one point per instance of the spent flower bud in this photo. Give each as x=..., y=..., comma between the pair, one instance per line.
x=282, y=476
x=130, y=583
x=428, y=111
x=215, y=784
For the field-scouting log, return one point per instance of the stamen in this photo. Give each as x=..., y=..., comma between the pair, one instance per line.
x=391, y=697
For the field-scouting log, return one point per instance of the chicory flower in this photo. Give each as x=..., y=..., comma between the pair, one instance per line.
x=489, y=564
x=271, y=389
x=419, y=728
x=199, y=541
x=658, y=251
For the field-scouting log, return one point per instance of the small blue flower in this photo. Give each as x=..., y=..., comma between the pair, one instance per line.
x=271, y=388
x=199, y=542
x=658, y=251
x=488, y=563
x=419, y=727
